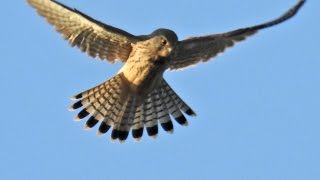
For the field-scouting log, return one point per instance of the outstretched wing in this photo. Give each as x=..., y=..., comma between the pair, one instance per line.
x=201, y=49
x=91, y=36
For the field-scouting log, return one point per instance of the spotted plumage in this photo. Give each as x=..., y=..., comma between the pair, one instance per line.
x=137, y=98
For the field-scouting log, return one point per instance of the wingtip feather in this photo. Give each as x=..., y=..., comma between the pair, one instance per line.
x=86, y=127
x=186, y=124
x=76, y=97
x=71, y=109
x=100, y=134
x=190, y=112
x=76, y=118
x=154, y=136
x=170, y=131
x=137, y=139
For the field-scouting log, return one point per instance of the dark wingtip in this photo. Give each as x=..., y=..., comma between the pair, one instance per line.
x=114, y=134
x=76, y=105
x=251, y=30
x=182, y=120
x=78, y=96
x=300, y=3
x=137, y=133
x=167, y=126
x=103, y=128
x=91, y=122
x=82, y=114
x=152, y=131
x=290, y=13
x=122, y=135
x=296, y=8
x=190, y=112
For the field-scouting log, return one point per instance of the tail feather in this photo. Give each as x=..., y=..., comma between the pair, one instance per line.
x=112, y=118
x=124, y=120
x=171, y=101
x=150, y=120
x=178, y=101
x=138, y=123
x=116, y=108
x=127, y=119
x=162, y=113
x=116, y=130
x=91, y=122
x=96, y=117
x=106, y=121
x=103, y=128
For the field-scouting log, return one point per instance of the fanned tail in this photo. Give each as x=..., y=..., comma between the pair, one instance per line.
x=115, y=106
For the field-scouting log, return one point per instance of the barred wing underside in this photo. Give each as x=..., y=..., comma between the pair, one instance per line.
x=91, y=36
x=201, y=49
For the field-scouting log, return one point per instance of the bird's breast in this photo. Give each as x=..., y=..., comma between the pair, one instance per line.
x=144, y=75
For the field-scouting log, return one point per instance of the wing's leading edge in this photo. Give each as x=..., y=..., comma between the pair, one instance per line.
x=201, y=49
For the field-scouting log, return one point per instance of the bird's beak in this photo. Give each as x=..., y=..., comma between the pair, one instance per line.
x=169, y=50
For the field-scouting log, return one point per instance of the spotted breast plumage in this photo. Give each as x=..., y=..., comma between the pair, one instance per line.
x=137, y=98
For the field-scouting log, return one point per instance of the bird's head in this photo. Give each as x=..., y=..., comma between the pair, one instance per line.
x=164, y=40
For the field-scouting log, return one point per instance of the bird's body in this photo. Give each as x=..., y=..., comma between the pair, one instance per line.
x=143, y=66
x=147, y=62
x=137, y=97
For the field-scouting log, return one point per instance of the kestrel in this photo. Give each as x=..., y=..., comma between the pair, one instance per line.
x=138, y=96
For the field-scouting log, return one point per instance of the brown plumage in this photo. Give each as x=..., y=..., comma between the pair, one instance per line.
x=137, y=99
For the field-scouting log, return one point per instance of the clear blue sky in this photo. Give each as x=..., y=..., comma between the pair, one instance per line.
x=258, y=105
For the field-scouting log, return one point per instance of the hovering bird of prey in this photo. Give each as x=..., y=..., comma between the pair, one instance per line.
x=137, y=97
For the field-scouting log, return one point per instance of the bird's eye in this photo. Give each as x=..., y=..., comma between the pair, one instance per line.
x=163, y=42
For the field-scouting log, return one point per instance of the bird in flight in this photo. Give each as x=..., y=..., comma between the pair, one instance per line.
x=137, y=97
